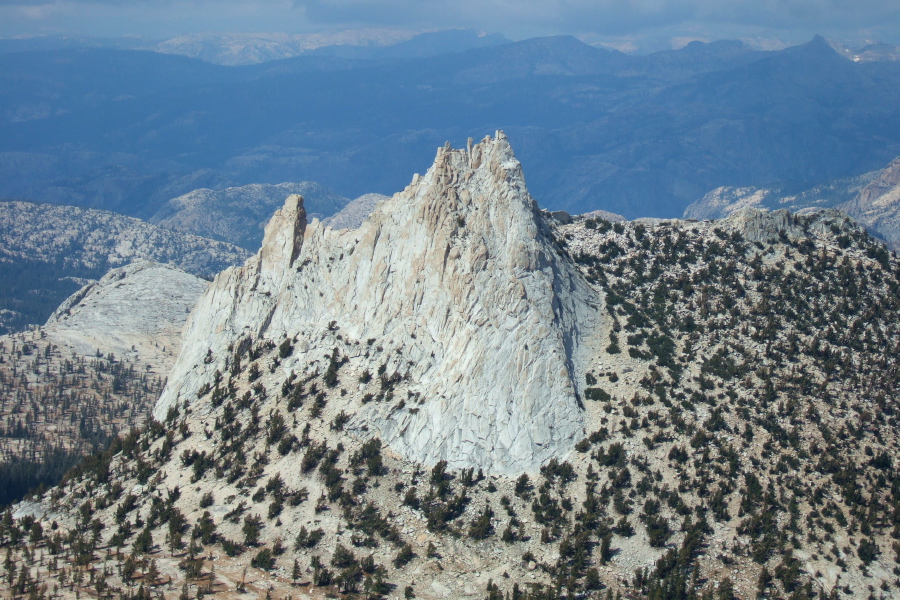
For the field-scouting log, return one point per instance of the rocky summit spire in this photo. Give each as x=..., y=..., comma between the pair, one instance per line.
x=453, y=292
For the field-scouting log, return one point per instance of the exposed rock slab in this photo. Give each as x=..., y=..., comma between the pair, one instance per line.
x=723, y=201
x=761, y=225
x=137, y=310
x=604, y=214
x=461, y=274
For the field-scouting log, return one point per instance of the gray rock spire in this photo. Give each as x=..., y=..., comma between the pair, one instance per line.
x=460, y=274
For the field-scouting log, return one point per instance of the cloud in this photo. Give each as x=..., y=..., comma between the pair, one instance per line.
x=610, y=16
x=515, y=18
x=550, y=16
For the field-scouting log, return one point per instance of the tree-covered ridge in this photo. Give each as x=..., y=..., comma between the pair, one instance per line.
x=770, y=393
x=741, y=443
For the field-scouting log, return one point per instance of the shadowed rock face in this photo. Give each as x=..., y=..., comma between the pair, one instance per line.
x=460, y=274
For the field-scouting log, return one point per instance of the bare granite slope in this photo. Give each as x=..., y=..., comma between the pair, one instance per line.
x=355, y=213
x=138, y=310
x=95, y=369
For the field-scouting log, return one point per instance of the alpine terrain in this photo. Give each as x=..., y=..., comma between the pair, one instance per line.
x=467, y=396
x=49, y=252
x=238, y=214
x=873, y=199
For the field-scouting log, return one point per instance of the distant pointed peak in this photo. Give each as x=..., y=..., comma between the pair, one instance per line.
x=821, y=46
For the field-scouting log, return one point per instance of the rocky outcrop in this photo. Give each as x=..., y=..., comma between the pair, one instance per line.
x=238, y=215
x=764, y=226
x=605, y=215
x=137, y=311
x=459, y=274
x=723, y=201
x=872, y=199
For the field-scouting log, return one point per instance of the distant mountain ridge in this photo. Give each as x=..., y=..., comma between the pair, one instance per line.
x=873, y=199
x=604, y=130
x=246, y=49
x=233, y=49
x=242, y=49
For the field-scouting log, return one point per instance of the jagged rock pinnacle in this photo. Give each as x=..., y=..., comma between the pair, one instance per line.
x=283, y=236
x=457, y=279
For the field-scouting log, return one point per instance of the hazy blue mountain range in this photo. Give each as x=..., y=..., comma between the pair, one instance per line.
x=252, y=48
x=635, y=135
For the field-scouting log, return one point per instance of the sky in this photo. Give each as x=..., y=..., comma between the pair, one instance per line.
x=616, y=22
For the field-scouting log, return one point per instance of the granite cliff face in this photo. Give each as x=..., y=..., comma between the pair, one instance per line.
x=454, y=288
